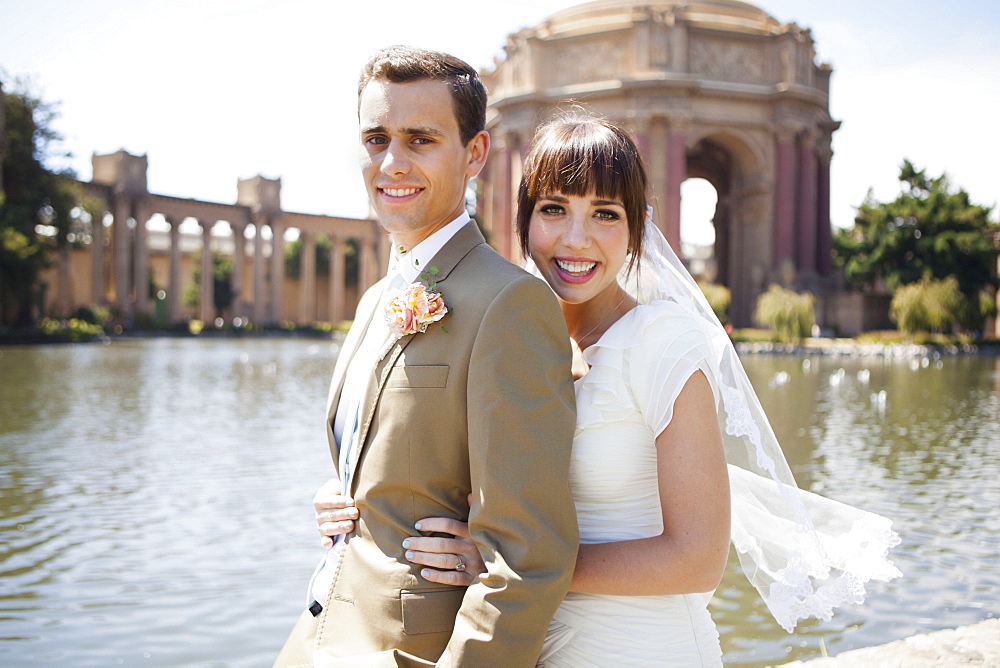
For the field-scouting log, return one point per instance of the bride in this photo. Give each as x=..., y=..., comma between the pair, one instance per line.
x=673, y=457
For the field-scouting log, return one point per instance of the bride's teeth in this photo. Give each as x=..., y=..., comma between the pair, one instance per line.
x=576, y=268
x=399, y=192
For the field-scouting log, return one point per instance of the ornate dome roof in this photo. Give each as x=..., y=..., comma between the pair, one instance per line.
x=730, y=15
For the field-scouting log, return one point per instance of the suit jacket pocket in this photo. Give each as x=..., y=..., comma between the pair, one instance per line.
x=430, y=610
x=417, y=376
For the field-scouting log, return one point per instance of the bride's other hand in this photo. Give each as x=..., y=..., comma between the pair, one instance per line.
x=335, y=513
x=451, y=561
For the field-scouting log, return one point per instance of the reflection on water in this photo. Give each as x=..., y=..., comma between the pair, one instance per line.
x=155, y=499
x=155, y=496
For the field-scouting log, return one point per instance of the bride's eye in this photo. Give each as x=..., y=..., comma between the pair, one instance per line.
x=550, y=209
x=606, y=215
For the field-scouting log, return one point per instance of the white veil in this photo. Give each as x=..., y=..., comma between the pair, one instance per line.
x=805, y=554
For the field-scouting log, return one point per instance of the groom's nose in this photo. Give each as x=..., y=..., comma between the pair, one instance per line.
x=395, y=159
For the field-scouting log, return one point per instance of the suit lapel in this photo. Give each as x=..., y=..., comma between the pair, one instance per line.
x=446, y=260
x=452, y=252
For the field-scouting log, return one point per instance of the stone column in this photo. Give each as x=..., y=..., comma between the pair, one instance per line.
x=784, y=198
x=806, y=225
x=679, y=41
x=307, y=276
x=337, y=286
x=642, y=43
x=277, y=271
x=824, y=233
x=722, y=246
x=97, y=294
x=676, y=173
x=640, y=132
x=141, y=258
x=507, y=191
x=207, y=309
x=174, y=287
x=62, y=279
x=657, y=163
x=518, y=154
x=259, y=298
x=239, y=266
x=121, y=257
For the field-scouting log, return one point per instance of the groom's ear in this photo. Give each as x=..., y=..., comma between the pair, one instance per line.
x=479, y=148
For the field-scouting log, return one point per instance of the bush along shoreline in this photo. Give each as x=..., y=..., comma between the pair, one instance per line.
x=871, y=344
x=86, y=330
x=888, y=343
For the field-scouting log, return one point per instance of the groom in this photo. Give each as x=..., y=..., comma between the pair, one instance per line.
x=480, y=402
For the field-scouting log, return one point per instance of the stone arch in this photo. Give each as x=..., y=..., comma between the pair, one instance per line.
x=733, y=162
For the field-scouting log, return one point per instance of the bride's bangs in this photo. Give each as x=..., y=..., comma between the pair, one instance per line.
x=578, y=162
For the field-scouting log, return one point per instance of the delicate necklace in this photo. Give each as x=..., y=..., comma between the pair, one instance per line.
x=579, y=343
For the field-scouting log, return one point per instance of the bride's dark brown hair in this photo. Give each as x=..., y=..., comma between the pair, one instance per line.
x=578, y=154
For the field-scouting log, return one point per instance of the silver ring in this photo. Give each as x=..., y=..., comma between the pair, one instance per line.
x=461, y=565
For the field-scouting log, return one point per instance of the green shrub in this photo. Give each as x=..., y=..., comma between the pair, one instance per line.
x=95, y=315
x=927, y=306
x=788, y=314
x=719, y=297
x=70, y=330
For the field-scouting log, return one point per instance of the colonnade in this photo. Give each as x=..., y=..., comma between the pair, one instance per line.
x=122, y=280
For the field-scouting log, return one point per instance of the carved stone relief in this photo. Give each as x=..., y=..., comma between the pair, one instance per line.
x=728, y=61
x=582, y=63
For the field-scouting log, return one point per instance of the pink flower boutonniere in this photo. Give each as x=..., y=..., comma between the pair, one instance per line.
x=410, y=311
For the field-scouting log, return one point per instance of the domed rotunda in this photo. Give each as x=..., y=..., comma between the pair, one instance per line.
x=716, y=89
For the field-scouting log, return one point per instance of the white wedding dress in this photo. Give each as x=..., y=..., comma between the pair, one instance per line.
x=626, y=398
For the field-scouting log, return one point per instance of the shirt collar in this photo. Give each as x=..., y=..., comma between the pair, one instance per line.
x=418, y=258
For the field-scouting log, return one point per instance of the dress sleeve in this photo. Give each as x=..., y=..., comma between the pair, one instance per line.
x=671, y=347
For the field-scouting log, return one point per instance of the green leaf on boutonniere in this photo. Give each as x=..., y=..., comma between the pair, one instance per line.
x=433, y=271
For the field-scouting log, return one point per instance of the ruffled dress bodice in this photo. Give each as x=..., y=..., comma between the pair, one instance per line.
x=637, y=369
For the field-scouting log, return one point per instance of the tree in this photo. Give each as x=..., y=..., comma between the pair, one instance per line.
x=35, y=204
x=930, y=231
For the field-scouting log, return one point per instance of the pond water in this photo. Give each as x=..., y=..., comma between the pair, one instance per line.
x=155, y=496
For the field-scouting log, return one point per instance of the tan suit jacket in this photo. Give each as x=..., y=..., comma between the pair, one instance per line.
x=486, y=407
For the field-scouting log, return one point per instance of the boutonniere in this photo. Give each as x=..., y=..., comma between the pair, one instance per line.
x=412, y=310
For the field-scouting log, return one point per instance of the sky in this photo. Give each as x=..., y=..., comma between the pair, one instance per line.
x=218, y=90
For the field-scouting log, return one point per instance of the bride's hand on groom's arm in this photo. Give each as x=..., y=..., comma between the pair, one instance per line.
x=442, y=555
x=335, y=513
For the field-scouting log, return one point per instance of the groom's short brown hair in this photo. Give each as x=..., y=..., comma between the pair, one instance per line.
x=406, y=64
